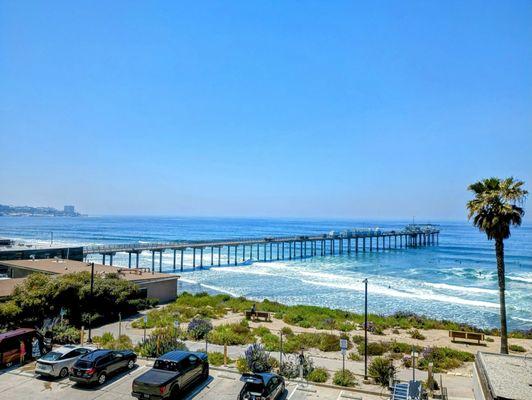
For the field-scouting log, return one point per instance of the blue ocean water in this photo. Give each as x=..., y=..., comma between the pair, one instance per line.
x=455, y=280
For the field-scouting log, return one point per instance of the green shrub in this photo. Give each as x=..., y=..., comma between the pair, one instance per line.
x=396, y=331
x=344, y=378
x=354, y=356
x=286, y=331
x=489, y=339
x=65, y=334
x=517, y=348
x=357, y=339
x=242, y=365
x=374, y=348
x=198, y=328
x=9, y=313
x=415, y=334
x=381, y=370
x=329, y=342
x=160, y=342
x=258, y=359
x=230, y=334
x=274, y=362
x=444, y=358
x=216, y=358
x=319, y=375
x=290, y=368
x=402, y=347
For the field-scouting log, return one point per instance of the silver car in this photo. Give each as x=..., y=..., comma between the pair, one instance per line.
x=58, y=361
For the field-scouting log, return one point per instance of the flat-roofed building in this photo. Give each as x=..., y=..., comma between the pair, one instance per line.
x=156, y=285
x=502, y=377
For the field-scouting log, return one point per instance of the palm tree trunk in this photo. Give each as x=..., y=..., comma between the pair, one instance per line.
x=499, y=253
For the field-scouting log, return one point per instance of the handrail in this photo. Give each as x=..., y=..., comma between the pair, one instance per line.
x=345, y=234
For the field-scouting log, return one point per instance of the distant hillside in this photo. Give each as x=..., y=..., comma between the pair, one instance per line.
x=68, y=211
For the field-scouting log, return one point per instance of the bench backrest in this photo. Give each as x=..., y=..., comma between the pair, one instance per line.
x=466, y=335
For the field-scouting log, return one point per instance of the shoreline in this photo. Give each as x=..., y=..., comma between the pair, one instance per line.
x=201, y=288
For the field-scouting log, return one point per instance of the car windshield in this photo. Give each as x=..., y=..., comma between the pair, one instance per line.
x=52, y=356
x=166, y=365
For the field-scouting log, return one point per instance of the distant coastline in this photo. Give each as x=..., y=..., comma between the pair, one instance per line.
x=27, y=211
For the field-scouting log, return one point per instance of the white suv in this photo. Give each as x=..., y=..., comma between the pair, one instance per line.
x=58, y=361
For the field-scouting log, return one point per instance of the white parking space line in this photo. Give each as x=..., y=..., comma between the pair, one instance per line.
x=293, y=392
x=119, y=380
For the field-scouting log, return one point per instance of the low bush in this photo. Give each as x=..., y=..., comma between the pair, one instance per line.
x=444, y=358
x=489, y=339
x=374, y=348
x=354, y=356
x=415, y=334
x=517, y=348
x=108, y=341
x=344, y=378
x=65, y=334
x=319, y=375
x=231, y=334
x=242, y=365
x=381, y=369
x=290, y=368
x=198, y=328
x=402, y=347
x=258, y=359
x=357, y=339
x=287, y=331
x=216, y=358
x=160, y=342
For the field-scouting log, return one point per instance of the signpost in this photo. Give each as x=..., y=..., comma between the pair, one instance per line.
x=414, y=355
x=119, y=324
x=145, y=322
x=343, y=348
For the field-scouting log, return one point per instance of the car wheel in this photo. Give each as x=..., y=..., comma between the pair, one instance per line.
x=9, y=364
x=174, y=393
x=63, y=373
x=102, y=378
x=130, y=364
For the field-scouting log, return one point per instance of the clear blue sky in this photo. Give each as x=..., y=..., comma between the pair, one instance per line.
x=245, y=108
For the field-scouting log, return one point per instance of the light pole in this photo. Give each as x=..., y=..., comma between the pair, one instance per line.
x=281, y=349
x=366, y=329
x=89, y=340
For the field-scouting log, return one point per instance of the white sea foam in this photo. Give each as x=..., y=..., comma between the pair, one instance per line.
x=465, y=289
x=219, y=289
x=524, y=279
x=404, y=294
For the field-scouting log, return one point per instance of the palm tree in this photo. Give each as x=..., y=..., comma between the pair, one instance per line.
x=494, y=209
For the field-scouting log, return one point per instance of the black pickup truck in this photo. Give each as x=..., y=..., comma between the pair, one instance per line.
x=171, y=373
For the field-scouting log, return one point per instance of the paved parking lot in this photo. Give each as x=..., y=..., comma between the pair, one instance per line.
x=21, y=383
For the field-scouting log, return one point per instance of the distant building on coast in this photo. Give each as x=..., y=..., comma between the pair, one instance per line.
x=69, y=210
x=27, y=211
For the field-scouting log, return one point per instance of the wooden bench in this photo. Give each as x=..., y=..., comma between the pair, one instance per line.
x=257, y=314
x=466, y=335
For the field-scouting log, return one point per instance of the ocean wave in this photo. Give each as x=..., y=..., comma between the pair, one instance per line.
x=402, y=294
x=524, y=279
x=219, y=289
x=466, y=289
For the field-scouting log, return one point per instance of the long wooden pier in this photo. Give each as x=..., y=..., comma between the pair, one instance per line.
x=235, y=251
